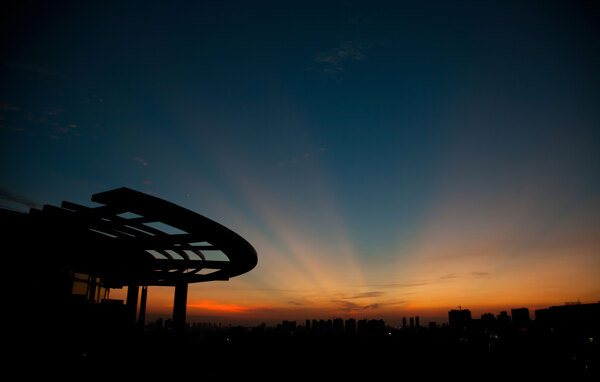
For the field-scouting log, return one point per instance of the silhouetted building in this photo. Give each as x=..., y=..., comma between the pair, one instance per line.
x=351, y=326
x=338, y=326
x=329, y=325
x=488, y=320
x=520, y=317
x=503, y=319
x=287, y=327
x=417, y=323
x=260, y=330
x=404, y=323
x=412, y=322
x=376, y=327
x=459, y=319
x=572, y=317
x=363, y=326
x=322, y=327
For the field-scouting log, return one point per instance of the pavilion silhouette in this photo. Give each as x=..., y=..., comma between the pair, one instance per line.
x=68, y=257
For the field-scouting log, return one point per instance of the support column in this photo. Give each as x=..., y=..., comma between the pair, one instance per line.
x=142, y=318
x=179, y=307
x=131, y=305
x=92, y=288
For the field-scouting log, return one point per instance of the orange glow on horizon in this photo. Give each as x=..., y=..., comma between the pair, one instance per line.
x=215, y=306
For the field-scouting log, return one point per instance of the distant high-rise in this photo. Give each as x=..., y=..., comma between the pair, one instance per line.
x=412, y=322
x=338, y=326
x=520, y=317
x=362, y=326
x=376, y=327
x=503, y=318
x=460, y=319
x=571, y=317
x=488, y=320
x=403, y=322
x=417, y=324
x=288, y=326
x=351, y=326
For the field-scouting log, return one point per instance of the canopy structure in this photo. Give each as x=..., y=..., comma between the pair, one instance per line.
x=138, y=238
x=133, y=239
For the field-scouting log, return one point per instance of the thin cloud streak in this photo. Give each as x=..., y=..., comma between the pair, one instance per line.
x=31, y=67
x=365, y=295
x=13, y=197
x=349, y=307
x=332, y=62
x=141, y=161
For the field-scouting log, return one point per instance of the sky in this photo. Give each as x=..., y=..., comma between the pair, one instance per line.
x=385, y=159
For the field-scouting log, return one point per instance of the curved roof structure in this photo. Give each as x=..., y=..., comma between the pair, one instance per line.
x=137, y=238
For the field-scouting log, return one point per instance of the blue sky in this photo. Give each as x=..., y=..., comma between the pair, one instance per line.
x=363, y=132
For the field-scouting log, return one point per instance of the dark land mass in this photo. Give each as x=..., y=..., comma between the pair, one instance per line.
x=479, y=350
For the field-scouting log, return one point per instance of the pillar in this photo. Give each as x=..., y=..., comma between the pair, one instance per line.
x=179, y=307
x=131, y=305
x=92, y=288
x=142, y=318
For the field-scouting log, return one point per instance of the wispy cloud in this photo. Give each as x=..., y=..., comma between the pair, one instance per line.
x=50, y=110
x=403, y=285
x=11, y=127
x=93, y=99
x=332, y=62
x=307, y=155
x=31, y=67
x=347, y=51
x=4, y=107
x=65, y=130
x=141, y=161
x=449, y=276
x=13, y=197
x=57, y=131
x=365, y=295
x=470, y=274
x=9, y=124
x=349, y=306
x=53, y=121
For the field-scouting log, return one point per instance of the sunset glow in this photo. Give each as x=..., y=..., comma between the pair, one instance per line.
x=211, y=305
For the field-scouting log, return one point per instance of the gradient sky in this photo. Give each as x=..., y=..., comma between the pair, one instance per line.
x=384, y=160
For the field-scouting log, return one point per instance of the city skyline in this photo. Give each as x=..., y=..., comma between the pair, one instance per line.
x=384, y=160
x=572, y=314
x=215, y=313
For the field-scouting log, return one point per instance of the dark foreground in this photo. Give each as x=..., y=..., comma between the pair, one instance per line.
x=236, y=353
